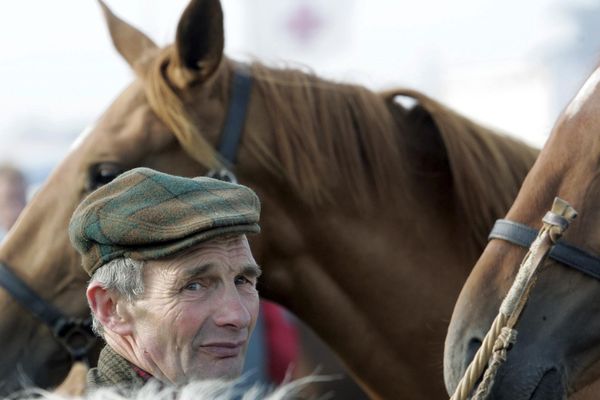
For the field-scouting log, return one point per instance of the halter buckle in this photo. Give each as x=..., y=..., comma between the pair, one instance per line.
x=222, y=174
x=76, y=335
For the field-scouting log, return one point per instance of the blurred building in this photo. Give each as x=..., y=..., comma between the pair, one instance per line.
x=514, y=70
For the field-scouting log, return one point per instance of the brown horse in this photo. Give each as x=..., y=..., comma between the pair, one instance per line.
x=372, y=213
x=557, y=352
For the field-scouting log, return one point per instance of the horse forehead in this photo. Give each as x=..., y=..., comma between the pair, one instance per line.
x=130, y=100
x=129, y=120
x=575, y=137
x=588, y=97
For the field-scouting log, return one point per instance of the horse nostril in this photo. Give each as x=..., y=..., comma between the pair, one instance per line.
x=472, y=347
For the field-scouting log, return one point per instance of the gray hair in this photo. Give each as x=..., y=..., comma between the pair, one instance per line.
x=123, y=276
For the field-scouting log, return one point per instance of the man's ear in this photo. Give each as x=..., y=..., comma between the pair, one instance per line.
x=105, y=305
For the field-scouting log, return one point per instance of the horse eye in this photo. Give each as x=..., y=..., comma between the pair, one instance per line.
x=101, y=174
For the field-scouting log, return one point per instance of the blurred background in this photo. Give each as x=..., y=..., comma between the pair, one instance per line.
x=512, y=64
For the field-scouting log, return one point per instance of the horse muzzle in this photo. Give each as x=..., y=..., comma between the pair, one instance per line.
x=529, y=381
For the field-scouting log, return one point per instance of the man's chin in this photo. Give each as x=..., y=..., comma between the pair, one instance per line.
x=222, y=368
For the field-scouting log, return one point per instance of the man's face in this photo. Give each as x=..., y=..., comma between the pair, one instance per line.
x=197, y=312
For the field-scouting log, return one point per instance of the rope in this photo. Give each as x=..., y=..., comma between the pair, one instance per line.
x=480, y=360
x=502, y=335
x=505, y=340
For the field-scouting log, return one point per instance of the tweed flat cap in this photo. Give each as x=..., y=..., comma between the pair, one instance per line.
x=145, y=214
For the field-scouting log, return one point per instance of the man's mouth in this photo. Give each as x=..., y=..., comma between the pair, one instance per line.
x=223, y=349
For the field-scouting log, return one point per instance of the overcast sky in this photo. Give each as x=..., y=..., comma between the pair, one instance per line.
x=496, y=61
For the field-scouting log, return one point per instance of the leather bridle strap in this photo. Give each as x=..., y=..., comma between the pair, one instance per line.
x=27, y=297
x=74, y=334
x=563, y=252
x=241, y=87
x=236, y=114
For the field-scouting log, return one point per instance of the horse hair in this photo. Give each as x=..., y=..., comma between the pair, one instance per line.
x=333, y=142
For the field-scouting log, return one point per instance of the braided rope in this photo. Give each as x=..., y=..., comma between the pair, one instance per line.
x=480, y=360
x=493, y=351
x=507, y=338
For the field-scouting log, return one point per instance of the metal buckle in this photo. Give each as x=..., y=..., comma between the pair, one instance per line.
x=76, y=335
x=222, y=174
x=557, y=220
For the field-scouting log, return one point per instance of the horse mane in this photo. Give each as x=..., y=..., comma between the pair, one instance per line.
x=329, y=138
x=487, y=167
x=326, y=137
x=333, y=142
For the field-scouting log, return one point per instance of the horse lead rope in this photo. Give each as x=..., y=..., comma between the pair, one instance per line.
x=501, y=334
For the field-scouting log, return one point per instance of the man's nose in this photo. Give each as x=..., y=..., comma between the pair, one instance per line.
x=232, y=310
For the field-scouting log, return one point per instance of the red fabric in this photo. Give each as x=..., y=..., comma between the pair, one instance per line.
x=141, y=373
x=281, y=338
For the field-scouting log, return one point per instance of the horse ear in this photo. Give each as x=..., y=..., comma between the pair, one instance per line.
x=132, y=44
x=199, y=42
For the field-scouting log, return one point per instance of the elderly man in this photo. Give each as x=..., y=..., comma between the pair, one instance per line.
x=173, y=281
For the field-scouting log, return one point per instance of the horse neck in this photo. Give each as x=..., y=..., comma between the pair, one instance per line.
x=430, y=182
x=454, y=165
x=345, y=269
x=350, y=275
x=53, y=273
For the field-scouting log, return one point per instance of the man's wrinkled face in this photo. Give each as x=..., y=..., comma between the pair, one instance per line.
x=197, y=312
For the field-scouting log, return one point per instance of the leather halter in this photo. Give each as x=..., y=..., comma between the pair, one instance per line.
x=563, y=252
x=231, y=135
x=75, y=334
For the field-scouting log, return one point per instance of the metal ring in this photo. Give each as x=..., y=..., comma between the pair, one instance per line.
x=77, y=337
x=222, y=174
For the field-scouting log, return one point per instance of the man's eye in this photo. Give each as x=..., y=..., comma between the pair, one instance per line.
x=194, y=286
x=242, y=280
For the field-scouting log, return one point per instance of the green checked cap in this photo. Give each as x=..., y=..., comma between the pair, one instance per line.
x=145, y=214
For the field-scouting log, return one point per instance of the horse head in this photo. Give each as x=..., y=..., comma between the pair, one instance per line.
x=557, y=351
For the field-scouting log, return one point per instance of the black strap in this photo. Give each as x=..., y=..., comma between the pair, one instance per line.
x=241, y=87
x=235, y=120
x=75, y=334
x=563, y=252
x=47, y=313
